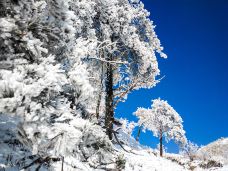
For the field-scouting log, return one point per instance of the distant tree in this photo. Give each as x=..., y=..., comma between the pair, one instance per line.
x=163, y=121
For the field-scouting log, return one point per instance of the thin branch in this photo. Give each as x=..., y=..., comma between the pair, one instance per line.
x=119, y=142
x=56, y=136
x=124, y=93
x=111, y=62
x=114, y=132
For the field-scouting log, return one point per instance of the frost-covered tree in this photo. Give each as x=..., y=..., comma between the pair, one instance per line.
x=46, y=84
x=61, y=60
x=163, y=121
x=190, y=150
x=120, y=51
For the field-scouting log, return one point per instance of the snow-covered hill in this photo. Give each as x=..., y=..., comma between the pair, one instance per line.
x=217, y=150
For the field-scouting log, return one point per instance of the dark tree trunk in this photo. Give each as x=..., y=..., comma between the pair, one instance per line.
x=98, y=106
x=109, y=112
x=161, y=145
x=62, y=163
x=138, y=134
x=100, y=95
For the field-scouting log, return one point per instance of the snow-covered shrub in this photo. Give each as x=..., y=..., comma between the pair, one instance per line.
x=210, y=164
x=94, y=146
x=190, y=150
x=120, y=162
x=80, y=141
x=176, y=159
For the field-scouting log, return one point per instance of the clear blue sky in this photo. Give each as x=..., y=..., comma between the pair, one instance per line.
x=195, y=36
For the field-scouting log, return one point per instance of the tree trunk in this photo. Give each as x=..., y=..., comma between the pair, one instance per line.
x=62, y=163
x=109, y=112
x=100, y=94
x=161, y=145
x=138, y=134
x=98, y=106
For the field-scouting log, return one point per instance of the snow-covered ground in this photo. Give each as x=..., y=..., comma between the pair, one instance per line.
x=141, y=158
x=133, y=157
x=144, y=161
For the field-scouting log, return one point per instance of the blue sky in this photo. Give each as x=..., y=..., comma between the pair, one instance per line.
x=195, y=36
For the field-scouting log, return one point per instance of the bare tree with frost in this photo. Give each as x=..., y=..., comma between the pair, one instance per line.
x=163, y=121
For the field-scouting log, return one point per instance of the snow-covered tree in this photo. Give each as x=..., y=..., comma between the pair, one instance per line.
x=123, y=52
x=163, y=121
x=60, y=60
x=190, y=149
x=45, y=83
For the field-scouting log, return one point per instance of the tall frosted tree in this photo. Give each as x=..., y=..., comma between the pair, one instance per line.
x=163, y=121
x=44, y=82
x=123, y=52
x=61, y=60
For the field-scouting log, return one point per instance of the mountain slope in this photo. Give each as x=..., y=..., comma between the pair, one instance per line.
x=92, y=154
x=14, y=156
x=217, y=150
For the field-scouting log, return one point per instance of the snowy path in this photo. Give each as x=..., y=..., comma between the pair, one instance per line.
x=144, y=161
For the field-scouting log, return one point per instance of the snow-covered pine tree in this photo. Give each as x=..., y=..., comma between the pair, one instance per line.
x=46, y=84
x=122, y=55
x=66, y=27
x=57, y=58
x=163, y=121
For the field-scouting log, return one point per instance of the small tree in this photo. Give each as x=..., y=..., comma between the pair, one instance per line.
x=163, y=121
x=190, y=150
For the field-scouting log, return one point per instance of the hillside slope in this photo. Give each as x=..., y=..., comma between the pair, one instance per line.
x=217, y=150
x=14, y=156
x=134, y=157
